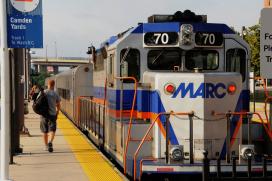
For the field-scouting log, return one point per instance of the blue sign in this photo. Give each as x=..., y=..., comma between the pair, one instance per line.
x=24, y=24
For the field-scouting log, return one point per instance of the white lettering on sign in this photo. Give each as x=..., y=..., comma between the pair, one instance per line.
x=19, y=23
x=266, y=43
x=21, y=41
x=18, y=27
x=23, y=20
x=18, y=40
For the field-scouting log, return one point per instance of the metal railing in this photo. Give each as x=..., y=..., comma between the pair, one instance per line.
x=190, y=115
x=82, y=114
x=268, y=98
x=131, y=115
x=91, y=116
x=229, y=141
x=249, y=116
x=207, y=176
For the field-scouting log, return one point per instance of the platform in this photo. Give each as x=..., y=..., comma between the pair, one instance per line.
x=74, y=157
x=259, y=108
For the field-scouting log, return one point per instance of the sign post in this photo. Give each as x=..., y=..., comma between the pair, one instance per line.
x=20, y=27
x=266, y=43
x=5, y=95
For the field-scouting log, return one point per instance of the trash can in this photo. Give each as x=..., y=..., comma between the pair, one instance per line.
x=26, y=111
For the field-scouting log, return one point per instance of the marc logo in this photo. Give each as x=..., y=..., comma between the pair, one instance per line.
x=204, y=90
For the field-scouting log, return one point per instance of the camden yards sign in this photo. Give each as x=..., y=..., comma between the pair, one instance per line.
x=24, y=23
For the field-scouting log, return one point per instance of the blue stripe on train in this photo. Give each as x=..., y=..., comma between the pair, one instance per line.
x=175, y=27
x=147, y=101
x=151, y=99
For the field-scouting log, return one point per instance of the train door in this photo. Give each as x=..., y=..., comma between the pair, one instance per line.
x=110, y=126
x=129, y=67
x=237, y=59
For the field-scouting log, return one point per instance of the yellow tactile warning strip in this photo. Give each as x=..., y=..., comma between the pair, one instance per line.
x=259, y=108
x=95, y=166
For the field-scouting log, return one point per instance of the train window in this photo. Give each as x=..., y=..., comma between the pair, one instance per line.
x=110, y=70
x=132, y=57
x=64, y=93
x=59, y=92
x=205, y=60
x=164, y=59
x=236, y=61
x=67, y=94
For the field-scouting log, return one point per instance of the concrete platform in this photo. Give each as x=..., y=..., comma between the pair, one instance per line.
x=65, y=163
x=37, y=164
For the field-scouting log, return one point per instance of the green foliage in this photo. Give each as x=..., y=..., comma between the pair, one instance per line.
x=40, y=78
x=252, y=36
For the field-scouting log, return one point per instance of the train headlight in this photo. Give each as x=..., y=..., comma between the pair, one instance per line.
x=176, y=153
x=232, y=88
x=169, y=88
x=246, y=151
x=186, y=34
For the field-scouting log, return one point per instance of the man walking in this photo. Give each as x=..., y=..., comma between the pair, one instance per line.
x=49, y=125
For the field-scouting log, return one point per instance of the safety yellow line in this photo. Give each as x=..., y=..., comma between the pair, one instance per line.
x=257, y=120
x=95, y=166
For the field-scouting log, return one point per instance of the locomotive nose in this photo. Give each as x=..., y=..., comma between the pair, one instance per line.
x=202, y=93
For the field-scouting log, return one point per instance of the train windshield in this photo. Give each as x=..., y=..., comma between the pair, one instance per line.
x=194, y=59
x=164, y=59
x=200, y=59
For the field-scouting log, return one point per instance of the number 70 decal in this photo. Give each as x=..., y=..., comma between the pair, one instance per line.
x=161, y=37
x=209, y=39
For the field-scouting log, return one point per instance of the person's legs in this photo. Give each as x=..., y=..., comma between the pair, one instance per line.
x=45, y=138
x=44, y=129
x=52, y=131
x=51, y=136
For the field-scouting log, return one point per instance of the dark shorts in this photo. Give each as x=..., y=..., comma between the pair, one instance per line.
x=48, y=124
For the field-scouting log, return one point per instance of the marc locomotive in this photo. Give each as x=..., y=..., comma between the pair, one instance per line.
x=151, y=96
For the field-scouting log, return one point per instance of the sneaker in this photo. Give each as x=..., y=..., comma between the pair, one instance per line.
x=50, y=147
x=46, y=148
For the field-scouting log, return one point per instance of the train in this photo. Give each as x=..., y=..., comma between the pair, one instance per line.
x=164, y=95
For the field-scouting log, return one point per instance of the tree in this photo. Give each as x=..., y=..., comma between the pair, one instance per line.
x=40, y=78
x=252, y=36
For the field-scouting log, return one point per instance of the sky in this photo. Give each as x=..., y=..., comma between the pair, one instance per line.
x=70, y=26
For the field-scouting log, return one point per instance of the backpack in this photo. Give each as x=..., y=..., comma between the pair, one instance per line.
x=40, y=105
